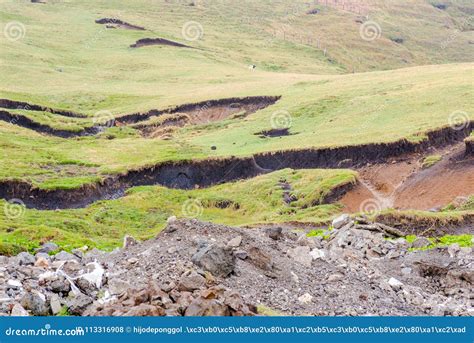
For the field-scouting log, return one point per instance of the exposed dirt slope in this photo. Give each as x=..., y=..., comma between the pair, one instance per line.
x=403, y=183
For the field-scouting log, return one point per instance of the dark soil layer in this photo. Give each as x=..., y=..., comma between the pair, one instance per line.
x=204, y=173
x=119, y=23
x=23, y=121
x=20, y=105
x=273, y=133
x=203, y=106
x=203, y=112
x=428, y=226
x=157, y=41
x=470, y=147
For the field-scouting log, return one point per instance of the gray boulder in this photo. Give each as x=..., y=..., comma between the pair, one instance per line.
x=275, y=233
x=25, y=258
x=78, y=304
x=217, y=259
x=35, y=302
x=65, y=256
x=47, y=248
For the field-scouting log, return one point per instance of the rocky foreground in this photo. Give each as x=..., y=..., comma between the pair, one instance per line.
x=193, y=268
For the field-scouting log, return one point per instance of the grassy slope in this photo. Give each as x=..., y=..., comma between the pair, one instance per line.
x=331, y=110
x=66, y=60
x=144, y=211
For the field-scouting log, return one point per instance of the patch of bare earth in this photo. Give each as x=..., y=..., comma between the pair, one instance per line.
x=403, y=183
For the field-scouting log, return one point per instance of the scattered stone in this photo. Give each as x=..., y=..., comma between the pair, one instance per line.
x=191, y=281
x=275, y=233
x=25, y=258
x=171, y=219
x=78, y=304
x=235, y=242
x=55, y=304
x=19, y=311
x=305, y=298
x=14, y=284
x=35, y=302
x=453, y=249
x=216, y=259
x=302, y=255
x=336, y=277
x=118, y=286
x=317, y=254
x=47, y=248
x=41, y=262
x=241, y=254
x=132, y=260
x=64, y=256
x=341, y=221
x=129, y=241
x=395, y=284
x=78, y=253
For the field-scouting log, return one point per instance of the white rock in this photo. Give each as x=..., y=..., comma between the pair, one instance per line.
x=395, y=284
x=453, y=249
x=317, y=254
x=55, y=304
x=19, y=311
x=235, y=242
x=301, y=254
x=14, y=284
x=171, y=219
x=305, y=298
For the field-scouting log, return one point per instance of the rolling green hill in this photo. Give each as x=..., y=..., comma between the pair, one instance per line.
x=348, y=73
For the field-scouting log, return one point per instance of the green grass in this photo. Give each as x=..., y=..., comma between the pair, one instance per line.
x=67, y=61
x=430, y=161
x=464, y=241
x=143, y=212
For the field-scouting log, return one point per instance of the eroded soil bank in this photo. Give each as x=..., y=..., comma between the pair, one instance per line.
x=20, y=105
x=117, y=23
x=205, y=110
x=158, y=41
x=406, y=183
x=204, y=173
x=192, y=114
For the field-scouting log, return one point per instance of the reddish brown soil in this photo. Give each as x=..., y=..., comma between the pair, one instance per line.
x=209, y=112
x=404, y=184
